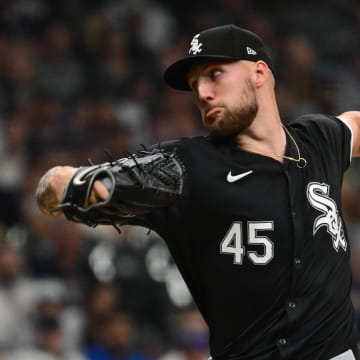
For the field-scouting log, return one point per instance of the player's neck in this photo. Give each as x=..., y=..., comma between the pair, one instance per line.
x=265, y=136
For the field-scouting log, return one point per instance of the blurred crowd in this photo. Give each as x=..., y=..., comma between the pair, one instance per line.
x=82, y=79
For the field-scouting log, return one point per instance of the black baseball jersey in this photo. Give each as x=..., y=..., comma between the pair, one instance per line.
x=262, y=245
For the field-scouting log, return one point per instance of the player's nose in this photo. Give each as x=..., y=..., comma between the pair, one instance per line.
x=205, y=90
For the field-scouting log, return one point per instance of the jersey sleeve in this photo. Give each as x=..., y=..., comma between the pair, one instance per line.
x=163, y=220
x=332, y=136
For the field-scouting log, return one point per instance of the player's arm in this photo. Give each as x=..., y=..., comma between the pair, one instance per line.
x=352, y=119
x=113, y=192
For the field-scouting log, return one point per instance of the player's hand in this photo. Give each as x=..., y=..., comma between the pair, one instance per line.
x=51, y=187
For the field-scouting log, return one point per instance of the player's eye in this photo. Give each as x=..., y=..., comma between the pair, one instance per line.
x=215, y=73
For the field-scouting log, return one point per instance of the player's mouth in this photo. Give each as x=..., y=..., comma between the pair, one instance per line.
x=211, y=113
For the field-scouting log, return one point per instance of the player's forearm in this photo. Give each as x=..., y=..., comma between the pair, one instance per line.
x=352, y=119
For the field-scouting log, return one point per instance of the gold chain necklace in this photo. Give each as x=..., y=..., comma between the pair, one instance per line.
x=300, y=161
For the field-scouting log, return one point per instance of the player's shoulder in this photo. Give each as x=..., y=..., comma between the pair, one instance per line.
x=310, y=120
x=318, y=124
x=326, y=131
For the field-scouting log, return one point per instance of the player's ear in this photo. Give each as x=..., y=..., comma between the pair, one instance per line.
x=262, y=72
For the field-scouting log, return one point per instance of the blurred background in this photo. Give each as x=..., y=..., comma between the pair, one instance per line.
x=78, y=77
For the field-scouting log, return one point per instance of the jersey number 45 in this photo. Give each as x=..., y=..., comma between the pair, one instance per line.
x=233, y=242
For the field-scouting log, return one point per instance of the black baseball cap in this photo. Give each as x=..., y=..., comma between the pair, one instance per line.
x=228, y=42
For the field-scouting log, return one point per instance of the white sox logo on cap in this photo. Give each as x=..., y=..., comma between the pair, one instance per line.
x=195, y=45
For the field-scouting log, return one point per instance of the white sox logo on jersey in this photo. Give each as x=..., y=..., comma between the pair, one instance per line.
x=318, y=196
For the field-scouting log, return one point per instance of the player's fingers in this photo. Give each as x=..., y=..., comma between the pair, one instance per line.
x=98, y=193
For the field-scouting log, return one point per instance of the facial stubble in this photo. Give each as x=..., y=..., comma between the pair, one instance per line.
x=233, y=121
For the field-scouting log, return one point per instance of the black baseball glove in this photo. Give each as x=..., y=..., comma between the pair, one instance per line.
x=137, y=184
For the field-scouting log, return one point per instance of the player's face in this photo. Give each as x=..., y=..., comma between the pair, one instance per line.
x=225, y=95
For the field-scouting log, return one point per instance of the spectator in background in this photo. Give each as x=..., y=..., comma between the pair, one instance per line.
x=116, y=340
x=60, y=74
x=348, y=82
x=49, y=344
x=102, y=303
x=13, y=167
x=17, y=296
x=20, y=71
x=191, y=337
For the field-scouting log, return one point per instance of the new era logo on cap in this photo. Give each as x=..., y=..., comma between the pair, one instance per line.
x=222, y=43
x=250, y=51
